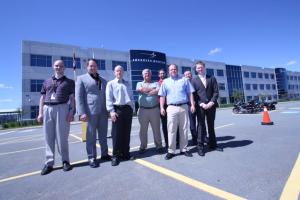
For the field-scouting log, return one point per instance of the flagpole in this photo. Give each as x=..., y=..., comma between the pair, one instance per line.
x=74, y=66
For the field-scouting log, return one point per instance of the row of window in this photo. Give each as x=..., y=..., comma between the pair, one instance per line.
x=293, y=78
x=209, y=71
x=258, y=75
x=294, y=87
x=46, y=61
x=261, y=86
x=256, y=98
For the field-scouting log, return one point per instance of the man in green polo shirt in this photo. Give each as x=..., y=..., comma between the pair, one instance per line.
x=148, y=111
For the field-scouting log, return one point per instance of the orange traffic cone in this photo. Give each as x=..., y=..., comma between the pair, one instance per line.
x=266, y=118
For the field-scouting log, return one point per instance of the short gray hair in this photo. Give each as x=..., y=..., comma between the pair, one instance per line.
x=146, y=70
x=118, y=66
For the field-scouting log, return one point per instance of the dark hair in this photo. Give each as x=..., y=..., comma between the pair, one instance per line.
x=91, y=59
x=200, y=63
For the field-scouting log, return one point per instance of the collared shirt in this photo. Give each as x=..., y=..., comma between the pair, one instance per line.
x=203, y=79
x=58, y=90
x=96, y=77
x=118, y=92
x=176, y=90
x=147, y=100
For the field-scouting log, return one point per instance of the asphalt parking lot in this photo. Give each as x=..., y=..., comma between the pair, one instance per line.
x=258, y=162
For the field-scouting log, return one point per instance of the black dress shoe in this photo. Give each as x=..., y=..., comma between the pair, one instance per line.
x=67, y=166
x=160, y=150
x=128, y=157
x=187, y=154
x=169, y=156
x=201, y=152
x=106, y=158
x=46, y=170
x=115, y=161
x=93, y=163
x=142, y=151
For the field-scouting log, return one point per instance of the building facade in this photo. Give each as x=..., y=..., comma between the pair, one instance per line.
x=250, y=81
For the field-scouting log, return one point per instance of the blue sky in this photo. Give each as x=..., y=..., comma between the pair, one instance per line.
x=254, y=32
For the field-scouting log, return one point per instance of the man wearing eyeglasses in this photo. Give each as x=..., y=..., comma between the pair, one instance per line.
x=90, y=101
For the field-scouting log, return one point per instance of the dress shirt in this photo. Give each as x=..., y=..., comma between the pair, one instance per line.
x=203, y=79
x=118, y=93
x=176, y=90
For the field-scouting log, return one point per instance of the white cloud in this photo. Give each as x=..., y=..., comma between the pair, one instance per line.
x=3, y=86
x=214, y=51
x=6, y=100
x=291, y=62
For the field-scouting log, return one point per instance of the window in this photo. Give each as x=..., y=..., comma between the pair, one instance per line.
x=247, y=86
x=260, y=75
x=100, y=64
x=249, y=98
x=40, y=60
x=253, y=74
x=273, y=87
x=261, y=86
x=268, y=86
x=210, y=71
x=246, y=74
x=291, y=78
x=122, y=63
x=221, y=86
x=254, y=86
x=183, y=69
x=36, y=85
x=272, y=76
x=220, y=72
x=34, y=110
x=69, y=62
x=266, y=76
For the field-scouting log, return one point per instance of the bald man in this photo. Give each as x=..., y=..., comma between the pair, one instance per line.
x=56, y=111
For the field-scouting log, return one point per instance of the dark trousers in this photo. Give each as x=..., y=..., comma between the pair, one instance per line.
x=121, y=129
x=164, y=122
x=208, y=116
x=193, y=128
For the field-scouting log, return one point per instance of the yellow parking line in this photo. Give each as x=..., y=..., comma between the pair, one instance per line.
x=192, y=182
x=291, y=189
x=189, y=181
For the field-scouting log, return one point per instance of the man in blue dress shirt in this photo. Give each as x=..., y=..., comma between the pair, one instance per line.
x=177, y=91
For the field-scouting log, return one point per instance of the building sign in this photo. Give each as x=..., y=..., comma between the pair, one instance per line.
x=142, y=59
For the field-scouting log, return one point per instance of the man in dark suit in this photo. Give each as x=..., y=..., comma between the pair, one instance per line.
x=206, y=96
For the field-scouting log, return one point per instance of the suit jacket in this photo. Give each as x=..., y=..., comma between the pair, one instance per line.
x=90, y=99
x=205, y=95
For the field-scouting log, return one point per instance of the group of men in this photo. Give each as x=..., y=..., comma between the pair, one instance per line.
x=176, y=100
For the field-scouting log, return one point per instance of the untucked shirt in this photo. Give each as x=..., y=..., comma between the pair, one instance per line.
x=58, y=90
x=147, y=100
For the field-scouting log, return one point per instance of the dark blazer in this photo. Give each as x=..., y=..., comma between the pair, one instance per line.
x=205, y=95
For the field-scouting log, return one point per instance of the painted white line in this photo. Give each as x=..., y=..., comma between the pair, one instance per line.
x=19, y=138
x=5, y=133
x=32, y=149
x=224, y=126
x=26, y=131
x=294, y=108
x=290, y=112
x=21, y=141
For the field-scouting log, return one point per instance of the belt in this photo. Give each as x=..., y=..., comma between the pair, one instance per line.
x=53, y=103
x=178, y=104
x=121, y=106
x=149, y=107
